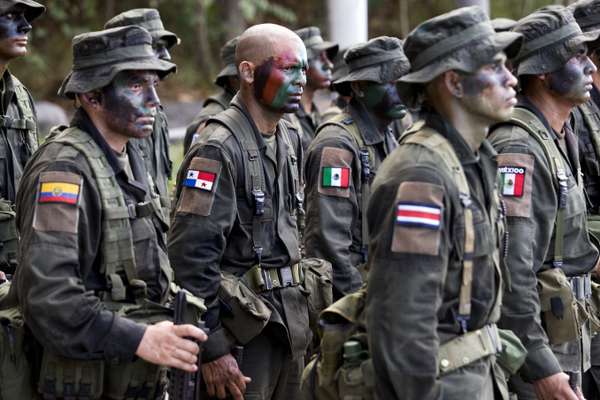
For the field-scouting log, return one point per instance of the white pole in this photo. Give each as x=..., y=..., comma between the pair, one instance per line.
x=348, y=23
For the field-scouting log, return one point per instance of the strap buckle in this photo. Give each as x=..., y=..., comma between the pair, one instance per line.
x=286, y=277
x=259, y=202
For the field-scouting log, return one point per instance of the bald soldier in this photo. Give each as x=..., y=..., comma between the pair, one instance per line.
x=234, y=237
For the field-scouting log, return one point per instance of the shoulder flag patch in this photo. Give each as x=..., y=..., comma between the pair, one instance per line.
x=512, y=179
x=336, y=177
x=202, y=180
x=59, y=192
x=418, y=215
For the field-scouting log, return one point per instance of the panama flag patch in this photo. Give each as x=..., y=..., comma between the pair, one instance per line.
x=513, y=181
x=200, y=180
x=418, y=215
x=338, y=177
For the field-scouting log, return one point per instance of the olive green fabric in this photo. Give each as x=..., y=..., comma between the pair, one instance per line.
x=314, y=43
x=33, y=9
x=551, y=36
x=99, y=56
x=228, y=61
x=380, y=60
x=147, y=18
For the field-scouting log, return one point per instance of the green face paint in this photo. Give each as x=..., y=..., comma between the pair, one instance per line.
x=383, y=100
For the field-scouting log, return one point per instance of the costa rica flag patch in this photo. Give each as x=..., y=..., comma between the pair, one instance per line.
x=512, y=179
x=202, y=180
x=419, y=215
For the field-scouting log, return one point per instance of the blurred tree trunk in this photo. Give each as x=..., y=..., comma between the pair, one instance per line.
x=204, y=56
x=485, y=4
x=404, y=19
x=110, y=9
x=234, y=20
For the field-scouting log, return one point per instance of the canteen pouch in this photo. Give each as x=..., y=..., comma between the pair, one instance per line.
x=356, y=381
x=318, y=275
x=63, y=377
x=246, y=314
x=513, y=353
x=8, y=238
x=558, y=306
x=15, y=369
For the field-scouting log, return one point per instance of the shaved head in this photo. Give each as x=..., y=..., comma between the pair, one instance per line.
x=260, y=42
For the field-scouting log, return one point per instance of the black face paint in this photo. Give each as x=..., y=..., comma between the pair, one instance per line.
x=13, y=24
x=383, y=100
x=161, y=50
x=319, y=72
x=574, y=80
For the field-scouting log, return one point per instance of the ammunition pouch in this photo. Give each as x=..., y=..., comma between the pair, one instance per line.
x=560, y=311
x=248, y=314
x=512, y=356
x=68, y=378
x=264, y=279
x=15, y=370
x=8, y=238
x=318, y=276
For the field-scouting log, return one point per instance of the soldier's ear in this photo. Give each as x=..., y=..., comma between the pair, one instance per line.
x=91, y=99
x=453, y=82
x=246, y=72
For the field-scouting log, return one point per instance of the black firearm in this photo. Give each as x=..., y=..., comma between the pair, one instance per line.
x=185, y=385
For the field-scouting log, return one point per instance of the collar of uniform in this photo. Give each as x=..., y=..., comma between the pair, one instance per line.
x=440, y=125
x=9, y=84
x=524, y=102
x=301, y=113
x=595, y=93
x=366, y=126
x=237, y=103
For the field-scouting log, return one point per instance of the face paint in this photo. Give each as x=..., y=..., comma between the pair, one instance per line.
x=279, y=80
x=574, y=80
x=130, y=103
x=319, y=72
x=489, y=92
x=13, y=33
x=383, y=100
x=161, y=50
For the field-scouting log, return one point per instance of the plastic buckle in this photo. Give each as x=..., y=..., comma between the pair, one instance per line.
x=363, y=154
x=259, y=202
x=462, y=321
x=267, y=279
x=286, y=277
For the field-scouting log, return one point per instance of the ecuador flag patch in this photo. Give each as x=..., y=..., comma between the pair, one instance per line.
x=59, y=192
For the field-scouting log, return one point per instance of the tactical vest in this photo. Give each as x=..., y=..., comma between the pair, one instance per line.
x=27, y=119
x=366, y=155
x=338, y=370
x=91, y=379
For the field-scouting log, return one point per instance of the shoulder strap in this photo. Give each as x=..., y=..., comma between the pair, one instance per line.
x=526, y=120
x=219, y=98
x=117, y=242
x=27, y=120
x=421, y=135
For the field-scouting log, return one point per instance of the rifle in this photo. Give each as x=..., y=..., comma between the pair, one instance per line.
x=185, y=385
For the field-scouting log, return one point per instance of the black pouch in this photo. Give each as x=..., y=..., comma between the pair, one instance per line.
x=67, y=378
x=559, y=307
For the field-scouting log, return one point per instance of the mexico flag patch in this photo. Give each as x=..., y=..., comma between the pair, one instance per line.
x=512, y=180
x=418, y=215
x=336, y=177
x=202, y=180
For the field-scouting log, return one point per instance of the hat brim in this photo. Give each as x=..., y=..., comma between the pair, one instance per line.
x=508, y=42
x=330, y=48
x=226, y=72
x=33, y=9
x=83, y=81
x=171, y=38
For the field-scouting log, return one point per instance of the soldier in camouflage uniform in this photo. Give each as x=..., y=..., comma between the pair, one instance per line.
x=219, y=101
x=345, y=156
x=18, y=122
x=154, y=148
x=435, y=283
x=549, y=253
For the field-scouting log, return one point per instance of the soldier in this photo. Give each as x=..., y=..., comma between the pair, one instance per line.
x=345, y=156
x=234, y=238
x=339, y=101
x=154, y=148
x=318, y=77
x=228, y=81
x=548, y=247
x=586, y=118
x=18, y=122
x=93, y=272
x=435, y=283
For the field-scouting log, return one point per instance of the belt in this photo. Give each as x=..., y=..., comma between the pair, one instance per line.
x=264, y=279
x=468, y=348
x=581, y=285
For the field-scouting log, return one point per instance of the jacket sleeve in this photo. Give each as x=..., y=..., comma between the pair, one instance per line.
x=530, y=221
x=331, y=214
x=58, y=252
x=201, y=223
x=407, y=270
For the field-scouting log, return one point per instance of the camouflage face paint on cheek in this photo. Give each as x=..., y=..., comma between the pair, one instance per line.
x=571, y=81
x=13, y=27
x=384, y=100
x=275, y=84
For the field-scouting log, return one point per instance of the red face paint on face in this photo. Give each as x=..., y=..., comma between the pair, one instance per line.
x=279, y=80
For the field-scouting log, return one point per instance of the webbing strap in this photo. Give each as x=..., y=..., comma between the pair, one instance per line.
x=592, y=120
x=429, y=138
x=532, y=125
x=27, y=120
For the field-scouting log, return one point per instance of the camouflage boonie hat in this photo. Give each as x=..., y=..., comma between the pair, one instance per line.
x=314, y=43
x=33, y=9
x=147, y=18
x=503, y=24
x=99, y=56
x=228, y=60
x=551, y=37
x=379, y=60
x=340, y=68
x=587, y=16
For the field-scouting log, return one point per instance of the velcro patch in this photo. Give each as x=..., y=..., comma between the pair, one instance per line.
x=512, y=180
x=418, y=215
x=418, y=218
x=335, y=172
x=516, y=182
x=58, y=192
x=199, y=186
